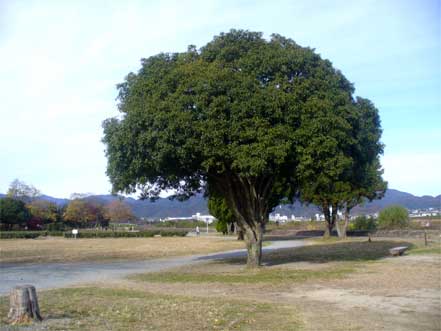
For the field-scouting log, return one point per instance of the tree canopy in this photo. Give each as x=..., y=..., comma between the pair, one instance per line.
x=118, y=210
x=13, y=212
x=339, y=166
x=81, y=212
x=233, y=118
x=217, y=206
x=44, y=210
x=393, y=217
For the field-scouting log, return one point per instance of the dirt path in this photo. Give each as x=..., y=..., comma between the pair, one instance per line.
x=394, y=294
x=56, y=275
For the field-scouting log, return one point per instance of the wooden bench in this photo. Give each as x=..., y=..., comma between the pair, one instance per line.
x=397, y=251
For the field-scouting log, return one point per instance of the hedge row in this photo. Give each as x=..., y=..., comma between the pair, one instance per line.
x=141, y=234
x=29, y=234
x=91, y=234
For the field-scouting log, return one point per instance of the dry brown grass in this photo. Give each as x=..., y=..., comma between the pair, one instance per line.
x=329, y=286
x=53, y=249
x=104, y=309
x=368, y=292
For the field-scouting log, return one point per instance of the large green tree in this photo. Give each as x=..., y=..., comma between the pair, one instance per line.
x=365, y=175
x=226, y=116
x=339, y=163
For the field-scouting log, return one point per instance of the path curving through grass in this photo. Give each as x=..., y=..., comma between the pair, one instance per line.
x=56, y=275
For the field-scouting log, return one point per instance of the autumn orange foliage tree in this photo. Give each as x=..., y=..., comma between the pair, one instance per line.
x=84, y=213
x=118, y=210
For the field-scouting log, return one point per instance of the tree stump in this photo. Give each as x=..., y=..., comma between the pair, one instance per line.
x=23, y=305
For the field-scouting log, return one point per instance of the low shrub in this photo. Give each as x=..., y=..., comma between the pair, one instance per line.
x=363, y=223
x=393, y=217
x=172, y=233
x=91, y=234
x=20, y=234
x=296, y=225
x=55, y=233
x=56, y=226
x=180, y=224
x=120, y=234
x=29, y=234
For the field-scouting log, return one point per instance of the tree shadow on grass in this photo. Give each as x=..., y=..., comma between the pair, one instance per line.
x=323, y=253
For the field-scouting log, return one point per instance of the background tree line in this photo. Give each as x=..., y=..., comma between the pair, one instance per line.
x=24, y=208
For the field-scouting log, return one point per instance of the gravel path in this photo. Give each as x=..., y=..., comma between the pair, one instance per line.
x=55, y=275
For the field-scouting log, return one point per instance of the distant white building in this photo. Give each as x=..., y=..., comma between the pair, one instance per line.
x=278, y=218
x=299, y=218
x=177, y=219
x=204, y=218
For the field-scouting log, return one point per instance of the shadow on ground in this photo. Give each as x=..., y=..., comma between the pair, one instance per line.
x=323, y=253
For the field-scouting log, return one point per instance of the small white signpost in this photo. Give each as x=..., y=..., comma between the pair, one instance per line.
x=75, y=232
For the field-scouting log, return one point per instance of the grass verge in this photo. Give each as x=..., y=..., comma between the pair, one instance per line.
x=431, y=249
x=323, y=251
x=244, y=276
x=334, y=258
x=117, y=309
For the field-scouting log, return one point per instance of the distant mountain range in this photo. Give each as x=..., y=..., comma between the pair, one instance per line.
x=392, y=197
x=164, y=207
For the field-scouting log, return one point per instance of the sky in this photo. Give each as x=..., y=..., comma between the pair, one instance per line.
x=60, y=62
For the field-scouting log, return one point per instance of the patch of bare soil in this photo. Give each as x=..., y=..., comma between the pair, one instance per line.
x=394, y=294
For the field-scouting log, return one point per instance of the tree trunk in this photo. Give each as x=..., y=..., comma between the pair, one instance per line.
x=248, y=199
x=330, y=218
x=23, y=305
x=343, y=228
x=254, y=246
x=346, y=223
x=328, y=230
x=339, y=229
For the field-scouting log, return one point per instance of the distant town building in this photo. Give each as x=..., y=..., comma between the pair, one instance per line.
x=197, y=217
x=277, y=217
x=204, y=218
x=177, y=219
